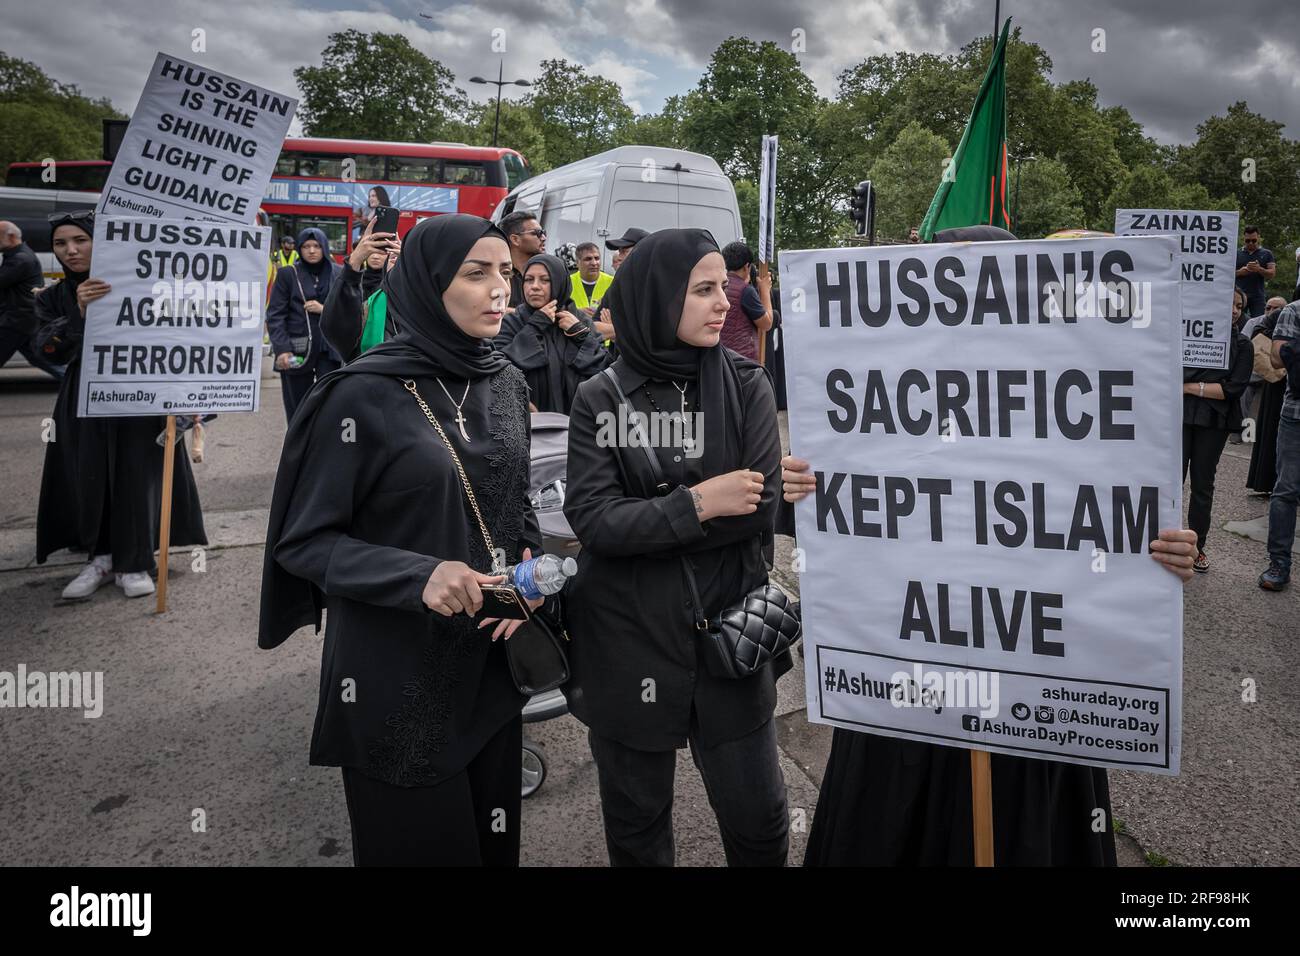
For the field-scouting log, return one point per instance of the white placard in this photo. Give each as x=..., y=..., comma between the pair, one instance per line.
x=767, y=201
x=1207, y=261
x=181, y=331
x=201, y=145
x=992, y=459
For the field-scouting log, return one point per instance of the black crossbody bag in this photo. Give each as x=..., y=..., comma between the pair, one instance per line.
x=749, y=633
x=536, y=656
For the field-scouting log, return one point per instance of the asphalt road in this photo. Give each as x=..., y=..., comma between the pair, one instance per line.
x=198, y=725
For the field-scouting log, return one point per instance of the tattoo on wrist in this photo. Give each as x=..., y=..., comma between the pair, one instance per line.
x=699, y=501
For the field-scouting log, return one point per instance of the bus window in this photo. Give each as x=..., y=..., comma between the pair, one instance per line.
x=321, y=166
x=83, y=178
x=26, y=177
x=464, y=174
x=287, y=164
x=371, y=167
x=516, y=170
x=412, y=169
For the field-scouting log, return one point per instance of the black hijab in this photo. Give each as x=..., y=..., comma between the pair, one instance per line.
x=64, y=293
x=561, y=286
x=431, y=254
x=322, y=270
x=973, y=234
x=430, y=343
x=552, y=380
x=646, y=300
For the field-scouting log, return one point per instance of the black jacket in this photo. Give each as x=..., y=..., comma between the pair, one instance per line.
x=628, y=610
x=366, y=522
x=554, y=363
x=287, y=316
x=1225, y=412
x=344, y=320
x=20, y=273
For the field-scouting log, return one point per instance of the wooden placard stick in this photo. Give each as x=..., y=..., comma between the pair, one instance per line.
x=765, y=295
x=981, y=801
x=165, y=520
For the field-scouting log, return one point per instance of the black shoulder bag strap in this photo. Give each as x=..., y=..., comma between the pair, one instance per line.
x=661, y=487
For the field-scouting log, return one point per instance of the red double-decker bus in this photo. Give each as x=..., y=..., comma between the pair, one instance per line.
x=333, y=184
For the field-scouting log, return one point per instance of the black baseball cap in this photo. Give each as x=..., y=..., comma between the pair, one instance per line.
x=630, y=238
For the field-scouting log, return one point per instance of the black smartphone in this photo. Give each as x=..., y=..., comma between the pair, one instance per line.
x=385, y=219
x=502, y=601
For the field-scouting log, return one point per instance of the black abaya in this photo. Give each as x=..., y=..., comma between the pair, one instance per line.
x=368, y=501
x=1263, y=456
x=891, y=802
x=554, y=362
x=101, y=488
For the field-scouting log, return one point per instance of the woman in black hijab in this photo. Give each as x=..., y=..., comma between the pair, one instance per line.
x=302, y=353
x=101, y=490
x=557, y=348
x=370, y=519
x=641, y=677
x=886, y=801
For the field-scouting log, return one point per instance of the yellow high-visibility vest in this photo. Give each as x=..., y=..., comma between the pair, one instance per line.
x=580, y=292
x=278, y=257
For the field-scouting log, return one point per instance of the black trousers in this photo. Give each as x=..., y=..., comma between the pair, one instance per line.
x=470, y=819
x=1202, y=448
x=294, y=386
x=745, y=787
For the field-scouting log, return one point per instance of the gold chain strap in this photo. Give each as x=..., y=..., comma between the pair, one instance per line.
x=497, y=568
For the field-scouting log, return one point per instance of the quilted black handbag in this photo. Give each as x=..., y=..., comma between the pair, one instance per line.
x=747, y=635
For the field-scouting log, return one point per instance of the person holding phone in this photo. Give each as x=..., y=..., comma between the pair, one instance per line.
x=417, y=705
x=355, y=317
x=303, y=355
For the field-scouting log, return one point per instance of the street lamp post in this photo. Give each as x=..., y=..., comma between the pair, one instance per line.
x=498, y=82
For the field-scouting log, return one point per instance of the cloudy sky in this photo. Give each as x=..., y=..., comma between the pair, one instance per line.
x=1171, y=62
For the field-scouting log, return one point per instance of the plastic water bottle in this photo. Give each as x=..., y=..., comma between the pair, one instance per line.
x=542, y=575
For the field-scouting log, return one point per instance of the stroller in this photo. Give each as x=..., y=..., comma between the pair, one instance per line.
x=546, y=484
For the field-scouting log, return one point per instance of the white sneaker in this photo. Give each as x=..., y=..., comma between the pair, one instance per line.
x=92, y=577
x=135, y=584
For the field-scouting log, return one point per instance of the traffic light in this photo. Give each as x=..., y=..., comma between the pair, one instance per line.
x=863, y=210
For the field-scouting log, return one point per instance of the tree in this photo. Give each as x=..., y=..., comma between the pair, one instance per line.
x=1048, y=199
x=664, y=128
x=518, y=130
x=751, y=89
x=378, y=86
x=1150, y=187
x=1085, y=143
x=41, y=118
x=1245, y=157
x=904, y=178
x=577, y=113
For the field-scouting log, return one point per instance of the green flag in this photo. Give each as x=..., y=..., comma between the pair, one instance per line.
x=973, y=191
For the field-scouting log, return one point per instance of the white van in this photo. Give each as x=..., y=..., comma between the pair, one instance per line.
x=647, y=187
